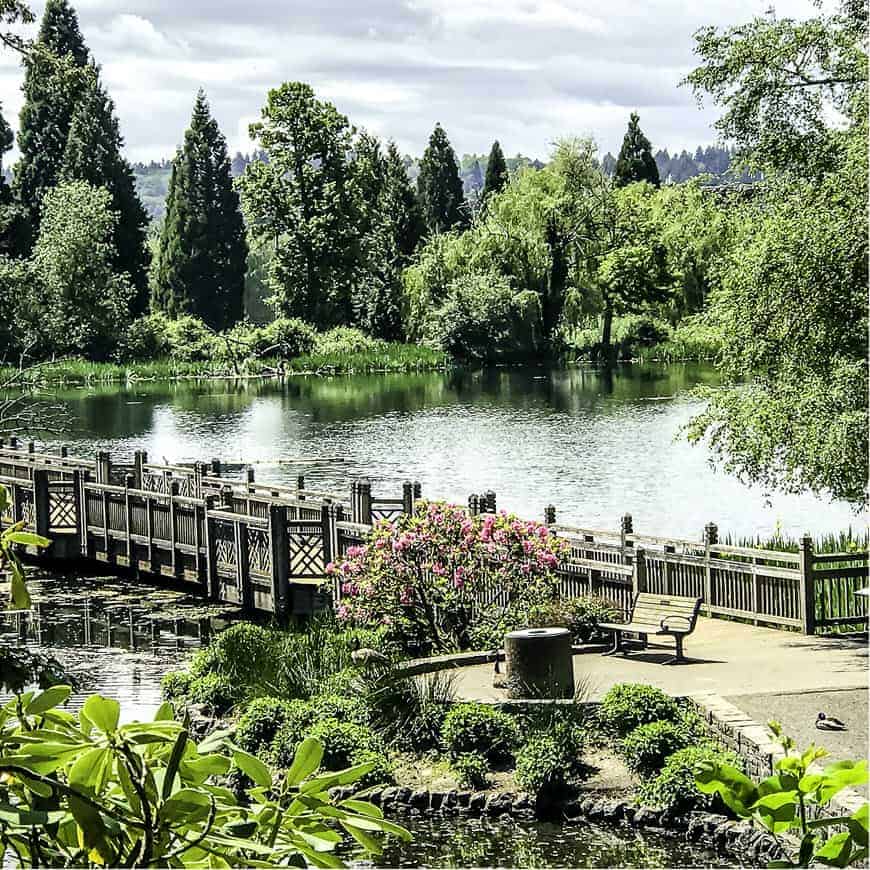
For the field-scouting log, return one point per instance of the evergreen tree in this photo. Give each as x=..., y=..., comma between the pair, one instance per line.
x=50, y=97
x=496, y=172
x=93, y=154
x=473, y=181
x=202, y=250
x=402, y=205
x=635, y=161
x=439, y=186
x=9, y=216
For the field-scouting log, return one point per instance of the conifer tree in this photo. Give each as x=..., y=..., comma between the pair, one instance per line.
x=93, y=154
x=402, y=204
x=439, y=186
x=50, y=98
x=496, y=172
x=202, y=251
x=9, y=216
x=635, y=161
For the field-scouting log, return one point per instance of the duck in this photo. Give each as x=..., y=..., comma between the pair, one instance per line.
x=363, y=656
x=830, y=723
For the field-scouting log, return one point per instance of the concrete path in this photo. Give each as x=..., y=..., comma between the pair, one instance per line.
x=728, y=658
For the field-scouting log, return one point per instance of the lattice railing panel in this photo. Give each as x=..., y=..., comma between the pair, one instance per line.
x=259, y=552
x=62, y=509
x=306, y=552
x=224, y=544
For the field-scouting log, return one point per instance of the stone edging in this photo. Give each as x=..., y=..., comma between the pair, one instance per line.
x=738, y=838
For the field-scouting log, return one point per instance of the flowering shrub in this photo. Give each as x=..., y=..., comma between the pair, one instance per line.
x=427, y=575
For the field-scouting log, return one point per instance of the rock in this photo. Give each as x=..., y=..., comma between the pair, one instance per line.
x=695, y=827
x=522, y=802
x=613, y=810
x=586, y=805
x=628, y=812
x=450, y=799
x=721, y=833
x=419, y=799
x=436, y=798
x=477, y=801
x=673, y=820
x=571, y=810
x=463, y=798
x=646, y=817
x=375, y=796
x=712, y=821
x=403, y=795
x=498, y=804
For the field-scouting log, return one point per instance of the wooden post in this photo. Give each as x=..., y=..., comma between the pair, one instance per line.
x=807, y=586
x=490, y=501
x=41, y=502
x=129, y=483
x=249, y=477
x=354, y=502
x=198, y=474
x=327, y=518
x=104, y=467
x=711, y=538
x=280, y=559
x=173, y=492
x=215, y=468
x=140, y=460
x=638, y=576
x=243, y=568
x=300, y=486
x=407, y=497
x=669, y=550
x=626, y=528
x=78, y=501
x=473, y=506
x=212, y=586
x=418, y=491
x=365, y=502
x=226, y=498
x=550, y=515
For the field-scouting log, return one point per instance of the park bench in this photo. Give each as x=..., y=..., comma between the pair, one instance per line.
x=658, y=615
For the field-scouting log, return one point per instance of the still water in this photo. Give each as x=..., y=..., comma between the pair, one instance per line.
x=461, y=842
x=595, y=446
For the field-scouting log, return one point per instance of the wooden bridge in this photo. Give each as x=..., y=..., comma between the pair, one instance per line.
x=266, y=547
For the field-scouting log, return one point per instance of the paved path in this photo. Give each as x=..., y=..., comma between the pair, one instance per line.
x=728, y=658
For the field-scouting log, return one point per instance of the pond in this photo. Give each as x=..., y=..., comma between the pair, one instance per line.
x=468, y=842
x=594, y=445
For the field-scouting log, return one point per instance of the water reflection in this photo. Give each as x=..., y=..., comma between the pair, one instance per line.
x=114, y=636
x=596, y=447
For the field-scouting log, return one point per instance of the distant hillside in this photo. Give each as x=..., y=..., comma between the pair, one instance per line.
x=152, y=179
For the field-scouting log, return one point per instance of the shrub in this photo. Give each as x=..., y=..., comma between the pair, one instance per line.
x=343, y=340
x=290, y=733
x=287, y=337
x=190, y=339
x=471, y=771
x=330, y=706
x=627, y=705
x=479, y=729
x=262, y=720
x=175, y=686
x=215, y=692
x=244, y=653
x=381, y=772
x=434, y=556
x=580, y=615
x=343, y=742
x=647, y=746
x=541, y=767
x=675, y=788
x=145, y=338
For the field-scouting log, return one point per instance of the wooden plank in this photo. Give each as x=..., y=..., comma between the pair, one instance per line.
x=821, y=558
x=844, y=573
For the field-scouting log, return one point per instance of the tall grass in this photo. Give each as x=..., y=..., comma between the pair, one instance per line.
x=844, y=541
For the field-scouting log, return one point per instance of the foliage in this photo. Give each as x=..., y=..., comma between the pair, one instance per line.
x=261, y=721
x=345, y=340
x=625, y=706
x=244, y=654
x=345, y=709
x=674, y=786
x=647, y=746
x=11, y=538
x=471, y=771
x=782, y=802
x=216, y=692
x=73, y=299
x=635, y=161
x=417, y=575
x=145, y=794
x=439, y=187
x=145, y=338
x=287, y=337
x=497, y=175
x=581, y=615
x=200, y=268
x=93, y=154
x=480, y=729
x=175, y=686
x=297, y=719
x=343, y=742
x=542, y=767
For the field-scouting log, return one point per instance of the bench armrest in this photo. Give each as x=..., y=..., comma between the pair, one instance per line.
x=685, y=627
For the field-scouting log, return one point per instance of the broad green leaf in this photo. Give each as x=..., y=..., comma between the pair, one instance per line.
x=342, y=777
x=173, y=763
x=732, y=785
x=103, y=712
x=18, y=588
x=91, y=770
x=164, y=712
x=365, y=839
x=858, y=823
x=186, y=805
x=363, y=808
x=47, y=700
x=21, y=815
x=27, y=539
x=253, y=767
x=199, y=769
x=840, y=775
x=837, y=851
x=307, y=759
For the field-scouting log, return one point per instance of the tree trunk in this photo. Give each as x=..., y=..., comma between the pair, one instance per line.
x=608, y=325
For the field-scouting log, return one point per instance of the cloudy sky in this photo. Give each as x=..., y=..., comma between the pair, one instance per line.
x=523, y=71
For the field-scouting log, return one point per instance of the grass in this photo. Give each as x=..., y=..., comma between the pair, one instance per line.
x=394, y=357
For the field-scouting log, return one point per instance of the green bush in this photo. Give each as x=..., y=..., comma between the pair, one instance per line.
x=290, y=733
x=216, y=693
x=175, y=686
x=646, y=748
x=479, y=729
x=245, y=654
x=542, y=767
x=471, y=771
x=381, y=773
x=145, y=338
x=329, y=706
x=581, y=615
x=262, y=720
x=344, y=742
x=190, y=339
x=627, y=705
x=674, y=787
x=287, y=337
x=344, y=340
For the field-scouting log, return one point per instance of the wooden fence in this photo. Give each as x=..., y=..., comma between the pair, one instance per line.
x=267, y=546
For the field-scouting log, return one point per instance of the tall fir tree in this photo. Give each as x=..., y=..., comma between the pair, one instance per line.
x=635, y=161
x=402, y=205
x=497, y=175
x=9, y=216
x=50, y=97
x=93, y=154
x=202, y=251
x=439, y=185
